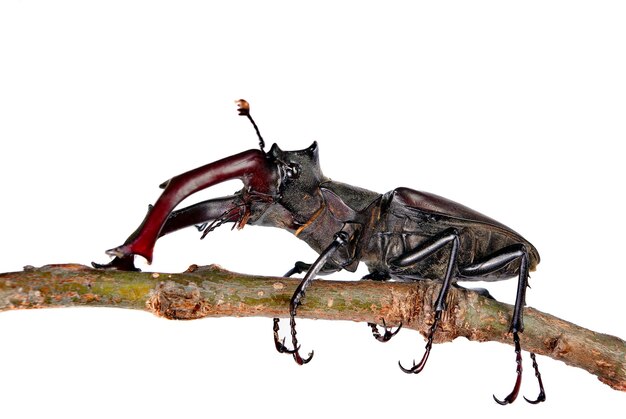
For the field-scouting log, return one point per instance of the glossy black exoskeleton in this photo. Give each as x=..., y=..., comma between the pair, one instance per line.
x=403, y=234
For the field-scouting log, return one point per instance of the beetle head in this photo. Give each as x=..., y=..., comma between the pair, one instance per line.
x=298, y=172
x=300, y=177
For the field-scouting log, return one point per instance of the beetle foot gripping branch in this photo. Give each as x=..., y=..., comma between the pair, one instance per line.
x=542, y=394
x=417, y=368
x=282, y=348
x=518, y=381
x=388, y=332
x=340, y=240
x=518, y=370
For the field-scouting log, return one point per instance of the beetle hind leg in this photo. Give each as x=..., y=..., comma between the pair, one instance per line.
x=493, y=263
x=518, y=380
x=542, y=394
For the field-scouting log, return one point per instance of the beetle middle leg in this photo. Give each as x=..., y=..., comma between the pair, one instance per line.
x=449, y=237
x=388, y=332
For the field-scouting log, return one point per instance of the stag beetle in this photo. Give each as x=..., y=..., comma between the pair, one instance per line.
x=403, y=234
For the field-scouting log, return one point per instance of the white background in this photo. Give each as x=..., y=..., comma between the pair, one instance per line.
x=516, y=110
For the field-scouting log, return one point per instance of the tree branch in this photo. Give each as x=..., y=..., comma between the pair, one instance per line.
x=214, y=292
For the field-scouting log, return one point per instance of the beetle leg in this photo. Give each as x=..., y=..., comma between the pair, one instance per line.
x=518, y=360
x=447, y=237
x=542, y=394
x=280, y=344
x=298, y=268
x=389, y=332
x=491, y=264
x=417, y=368
x=340, y=239
x=518, y=371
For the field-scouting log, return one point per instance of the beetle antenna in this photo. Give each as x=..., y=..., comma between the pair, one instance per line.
x=243, y=107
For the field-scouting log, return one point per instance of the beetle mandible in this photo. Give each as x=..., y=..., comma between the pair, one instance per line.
x=402, y=234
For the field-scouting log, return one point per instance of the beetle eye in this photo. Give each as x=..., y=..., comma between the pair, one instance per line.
x=292, y=171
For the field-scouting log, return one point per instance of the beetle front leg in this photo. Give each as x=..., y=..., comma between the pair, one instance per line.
x=340, y=239
x=298, y=268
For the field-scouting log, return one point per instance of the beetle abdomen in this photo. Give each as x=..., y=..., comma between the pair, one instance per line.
x=409, y=218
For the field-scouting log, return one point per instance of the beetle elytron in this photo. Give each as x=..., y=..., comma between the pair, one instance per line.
x=403, y=234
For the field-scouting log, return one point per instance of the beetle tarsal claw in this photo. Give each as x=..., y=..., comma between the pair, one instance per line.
x=299, y=359
x=280, y=345
x=417, y=368
x=518, y=380
x=282, y=348
x=406, y=370
x=387, y=335
x=518, y=371
x=541, y=398
x=542, y=394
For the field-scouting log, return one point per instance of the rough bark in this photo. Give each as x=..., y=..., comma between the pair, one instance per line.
x=213, y=292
